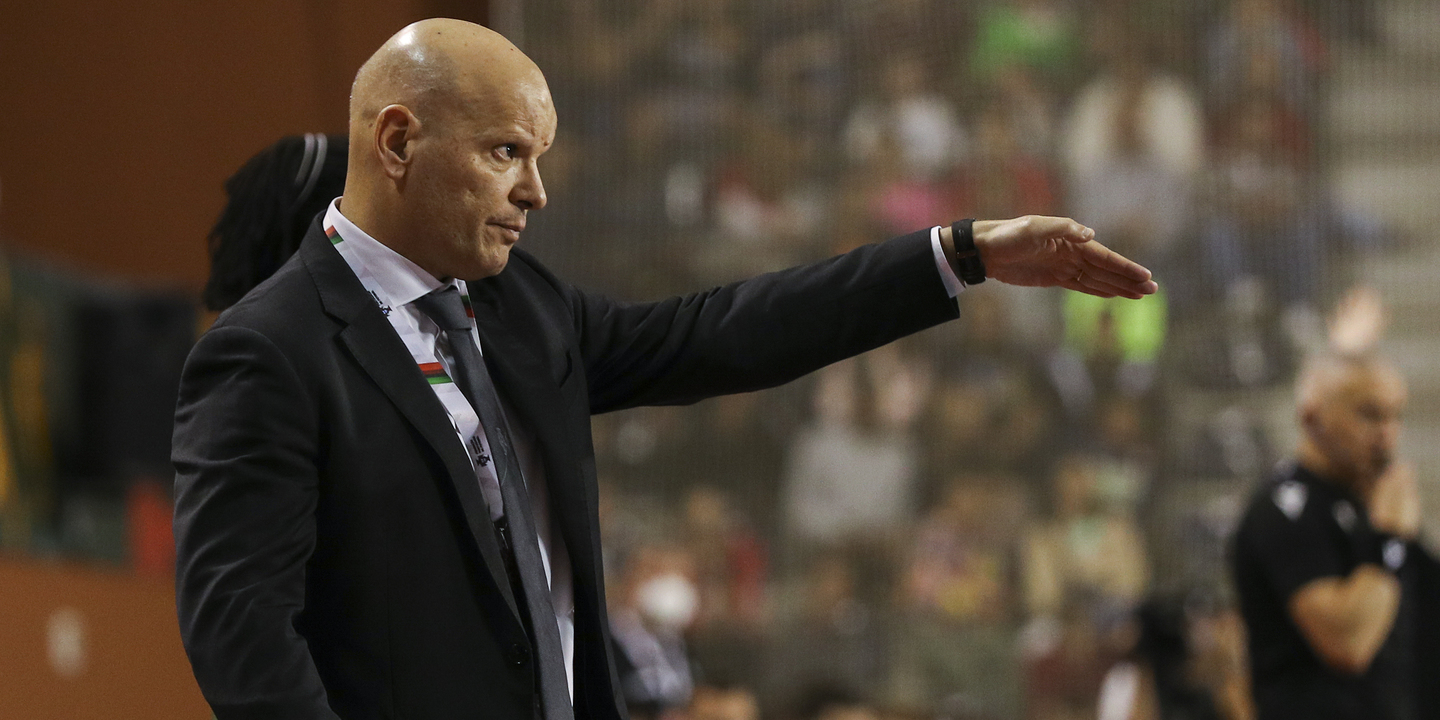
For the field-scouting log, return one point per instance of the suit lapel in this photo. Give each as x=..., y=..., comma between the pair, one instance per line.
x=374, y=344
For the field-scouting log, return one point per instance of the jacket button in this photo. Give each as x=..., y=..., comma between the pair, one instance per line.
x=517, y=651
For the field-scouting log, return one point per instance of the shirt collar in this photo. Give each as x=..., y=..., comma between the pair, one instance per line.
x=400, y=279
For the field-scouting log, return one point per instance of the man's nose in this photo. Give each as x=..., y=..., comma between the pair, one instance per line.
x=529, y=192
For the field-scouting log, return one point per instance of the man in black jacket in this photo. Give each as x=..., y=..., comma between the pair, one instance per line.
x=385, y=492
x=1326, y=559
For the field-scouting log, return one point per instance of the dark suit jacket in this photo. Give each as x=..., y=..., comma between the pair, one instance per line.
x=334, y=554
x=1426, y=569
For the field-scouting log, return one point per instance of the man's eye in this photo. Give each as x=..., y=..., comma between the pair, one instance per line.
x=509, y=150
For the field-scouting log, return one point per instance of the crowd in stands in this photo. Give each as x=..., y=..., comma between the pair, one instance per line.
x=986, y=520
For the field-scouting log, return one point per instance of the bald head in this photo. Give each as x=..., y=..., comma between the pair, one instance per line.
x=1330, y=375
x=1350, y=408
x=447, y=121
x=437, y=65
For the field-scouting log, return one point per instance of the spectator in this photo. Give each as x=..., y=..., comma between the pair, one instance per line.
x=1259, y=47
x=721, y=702
x=657, y=602
x=1134, y=145
x=271, y=202
x=767, y=207
x=731, y=572
x=805, y=70
x=696, y=69
x=919, y=122
x=1064, y=665
x=1003, y=173
x=1127, y=453
x=851, y=475
x=878, y=28
x=961, y=589
x=730, y=560
x=1108, y=351
x=895, y=197
x=832, y=701
x=833, y=634
x=1263, y=220
x=992, y=408
x=1184, y=662
x=1029, y=108
x=1087, y=556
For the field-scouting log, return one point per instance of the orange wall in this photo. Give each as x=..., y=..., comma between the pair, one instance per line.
x=123, y=119
x=131, y=664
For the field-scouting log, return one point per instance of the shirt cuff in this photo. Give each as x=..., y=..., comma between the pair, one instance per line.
x=953, y=284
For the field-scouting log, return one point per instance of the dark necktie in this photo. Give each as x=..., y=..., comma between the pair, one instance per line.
x=516, y=527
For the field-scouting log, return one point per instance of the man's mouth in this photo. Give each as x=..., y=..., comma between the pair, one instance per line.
x=513, y=229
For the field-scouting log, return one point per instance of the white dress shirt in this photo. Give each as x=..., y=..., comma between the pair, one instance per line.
x=953, y=283
x=396, y=283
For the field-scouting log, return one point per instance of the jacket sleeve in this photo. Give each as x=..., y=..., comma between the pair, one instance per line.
x=760, y=332
x=246, y=488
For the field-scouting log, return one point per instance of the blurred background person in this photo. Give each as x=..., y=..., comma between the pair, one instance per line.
x=722, y=702
x=1324, y=557
x=1186, y=662
x=655, y=604
x=1088, y=553
x=961, y=588
x=272, y=200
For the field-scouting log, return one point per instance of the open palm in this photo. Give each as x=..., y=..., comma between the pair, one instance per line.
x=1040, y=251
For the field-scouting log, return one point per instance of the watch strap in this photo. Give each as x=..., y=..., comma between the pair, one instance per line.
x=968, y=264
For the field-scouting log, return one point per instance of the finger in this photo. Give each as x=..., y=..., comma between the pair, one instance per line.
x=1117, y=283
x=1099, y=257
x=1099, y=285
x=1106, y=275
x=1078, y=286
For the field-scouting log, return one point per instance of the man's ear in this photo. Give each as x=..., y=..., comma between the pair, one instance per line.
x=395, y=129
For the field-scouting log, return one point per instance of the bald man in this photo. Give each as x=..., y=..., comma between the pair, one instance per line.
x=1323, y=557
x=385, y=488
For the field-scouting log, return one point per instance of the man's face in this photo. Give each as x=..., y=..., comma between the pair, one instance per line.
x=475, y=177
x=1357, y=425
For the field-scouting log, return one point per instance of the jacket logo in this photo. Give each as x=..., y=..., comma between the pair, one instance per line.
x=1290, y=497
x=1345, y=515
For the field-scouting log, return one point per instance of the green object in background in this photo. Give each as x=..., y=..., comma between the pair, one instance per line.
x=8, y=481
x=1136, y=327
x=1009, y=37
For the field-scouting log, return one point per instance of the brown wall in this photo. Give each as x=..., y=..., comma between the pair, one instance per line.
x=123, y=119
x=131, y=664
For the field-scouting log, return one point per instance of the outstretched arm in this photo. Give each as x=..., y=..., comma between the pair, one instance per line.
x=760, y=332
x=774, y=328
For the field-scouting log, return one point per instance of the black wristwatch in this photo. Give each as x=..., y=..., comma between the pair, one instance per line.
x=969, y=266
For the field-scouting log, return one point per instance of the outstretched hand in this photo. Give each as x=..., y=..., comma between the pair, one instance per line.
x=1040, y=251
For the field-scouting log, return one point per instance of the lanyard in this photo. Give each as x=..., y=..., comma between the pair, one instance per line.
x=422, y=349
